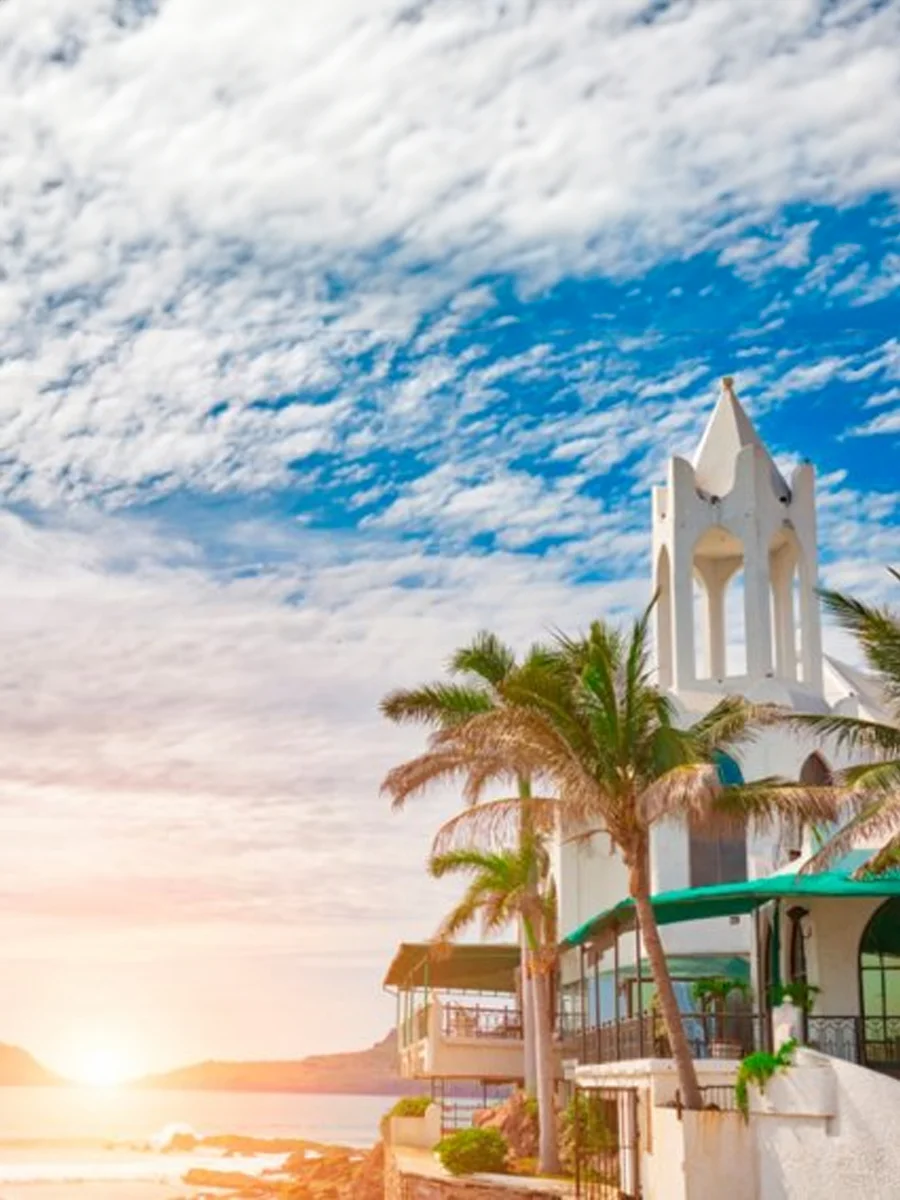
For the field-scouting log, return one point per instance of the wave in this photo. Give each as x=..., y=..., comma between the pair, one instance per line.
x=45, y=1163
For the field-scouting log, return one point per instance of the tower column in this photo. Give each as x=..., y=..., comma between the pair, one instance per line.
x=810, y=630
x=683, y=623
x=757, y=615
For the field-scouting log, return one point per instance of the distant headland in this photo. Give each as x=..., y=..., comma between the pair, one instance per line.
x=362, y=1072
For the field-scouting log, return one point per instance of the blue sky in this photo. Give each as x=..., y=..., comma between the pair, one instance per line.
x=330, y=334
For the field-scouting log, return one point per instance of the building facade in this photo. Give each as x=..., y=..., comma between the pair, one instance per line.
x=735, y=572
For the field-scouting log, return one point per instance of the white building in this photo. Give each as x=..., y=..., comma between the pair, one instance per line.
x=735, y=569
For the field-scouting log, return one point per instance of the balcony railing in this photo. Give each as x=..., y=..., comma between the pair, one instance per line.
x=872, y=1042
x=709, y=1036
x=480, y=1021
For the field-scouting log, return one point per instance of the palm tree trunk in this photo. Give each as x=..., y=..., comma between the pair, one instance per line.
x=681, y=1051
x=527, y=1001
x=548, y=1149
x=526, y=831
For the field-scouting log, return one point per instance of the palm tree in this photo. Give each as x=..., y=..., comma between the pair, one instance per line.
x=588, y=720
x=481, y=671
x=502, y=890
x=874, y=785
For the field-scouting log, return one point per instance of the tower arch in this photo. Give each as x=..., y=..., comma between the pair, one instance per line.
x=740, y=562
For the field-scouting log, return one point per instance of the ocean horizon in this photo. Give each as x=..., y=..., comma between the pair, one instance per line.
x=99, y=1137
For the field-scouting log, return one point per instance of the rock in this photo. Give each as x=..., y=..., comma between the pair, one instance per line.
x=517, y=1120
x=368, y=1181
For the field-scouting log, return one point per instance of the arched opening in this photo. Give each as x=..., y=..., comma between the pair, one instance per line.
x=719, y=603
x=783, y=558
x=815, y=772
x=718, y=857
x=879, y=986
x=665, y=664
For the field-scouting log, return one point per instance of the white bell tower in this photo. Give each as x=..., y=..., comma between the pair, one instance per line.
x=732, y=513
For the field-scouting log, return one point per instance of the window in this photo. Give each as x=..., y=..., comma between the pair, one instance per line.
x=879, y=978
x=718, y=858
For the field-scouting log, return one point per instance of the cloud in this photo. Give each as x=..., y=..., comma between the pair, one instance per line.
x=213, y=205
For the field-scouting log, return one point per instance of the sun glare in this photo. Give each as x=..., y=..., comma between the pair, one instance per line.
x=102, y=1067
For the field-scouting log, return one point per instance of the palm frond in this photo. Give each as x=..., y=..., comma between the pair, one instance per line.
x=732, y=723
x=436, y=704
x=765, y=804
x=682, y=793
x=872, y=823
x=873, y=780
x=885, y=860
x=877, y=630
x=494, y=824
x=849, y=734
x=486, y=657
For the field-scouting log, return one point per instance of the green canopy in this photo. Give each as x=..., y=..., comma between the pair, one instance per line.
x=733, y=899
x=690, y=966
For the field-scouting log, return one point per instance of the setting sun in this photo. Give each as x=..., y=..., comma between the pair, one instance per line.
x=103, y=1066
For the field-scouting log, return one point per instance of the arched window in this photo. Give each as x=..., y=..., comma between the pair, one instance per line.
x=815, y=771
x=718, y=858
x=879, y=985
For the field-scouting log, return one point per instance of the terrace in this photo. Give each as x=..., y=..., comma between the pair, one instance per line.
x=459, y=1015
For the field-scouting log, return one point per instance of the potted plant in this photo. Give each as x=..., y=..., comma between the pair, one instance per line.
x=712, y=995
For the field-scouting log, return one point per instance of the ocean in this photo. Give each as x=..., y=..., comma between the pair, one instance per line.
x=87, y=1142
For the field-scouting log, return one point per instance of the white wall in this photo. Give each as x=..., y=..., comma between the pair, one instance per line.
x=590, y=880
x=833, y=952
x=854, y=1153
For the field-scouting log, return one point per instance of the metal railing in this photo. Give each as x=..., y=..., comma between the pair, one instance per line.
x=606, y=1149
x=709, y=1035
x=872, y=1042
x=481, y=1021
x=717, y=1097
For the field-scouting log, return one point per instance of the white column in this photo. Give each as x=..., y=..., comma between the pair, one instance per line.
x=757, y=615
x=810, y=630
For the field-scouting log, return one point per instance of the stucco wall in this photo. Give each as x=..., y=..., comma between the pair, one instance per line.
x=422, y=1132
x=409, y=1176
x=833, y=952
x=854, y=1153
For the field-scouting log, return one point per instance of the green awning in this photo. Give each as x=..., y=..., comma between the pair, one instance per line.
x=734, y=899
x=690, y=966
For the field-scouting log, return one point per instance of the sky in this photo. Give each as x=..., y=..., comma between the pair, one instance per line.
x=331, y=333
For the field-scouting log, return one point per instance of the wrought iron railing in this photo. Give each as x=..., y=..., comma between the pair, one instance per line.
x=480, y=1021
x=873, y=1042
x=606, y=1143
x=870, y=1041
x=709, y=1035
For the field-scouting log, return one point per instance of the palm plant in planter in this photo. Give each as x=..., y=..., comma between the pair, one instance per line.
x=712, y=995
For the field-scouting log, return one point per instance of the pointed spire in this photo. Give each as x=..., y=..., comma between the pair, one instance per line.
x=729, y=431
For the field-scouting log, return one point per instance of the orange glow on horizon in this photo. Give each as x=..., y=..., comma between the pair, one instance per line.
x=102, y=1064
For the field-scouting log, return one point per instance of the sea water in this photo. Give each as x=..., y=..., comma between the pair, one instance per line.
x=86, y=1141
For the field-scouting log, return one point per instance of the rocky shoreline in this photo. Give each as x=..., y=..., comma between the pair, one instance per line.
x=311, y=1170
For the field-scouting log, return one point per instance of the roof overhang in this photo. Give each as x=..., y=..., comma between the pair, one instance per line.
x=735, y=899
x=457, y=967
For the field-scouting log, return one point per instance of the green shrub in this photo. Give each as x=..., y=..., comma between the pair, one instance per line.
x=472, y=1150
x=758, y=1069
x=411, y=1106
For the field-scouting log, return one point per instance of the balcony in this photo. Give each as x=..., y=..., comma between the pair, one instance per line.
x=458, y=1012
